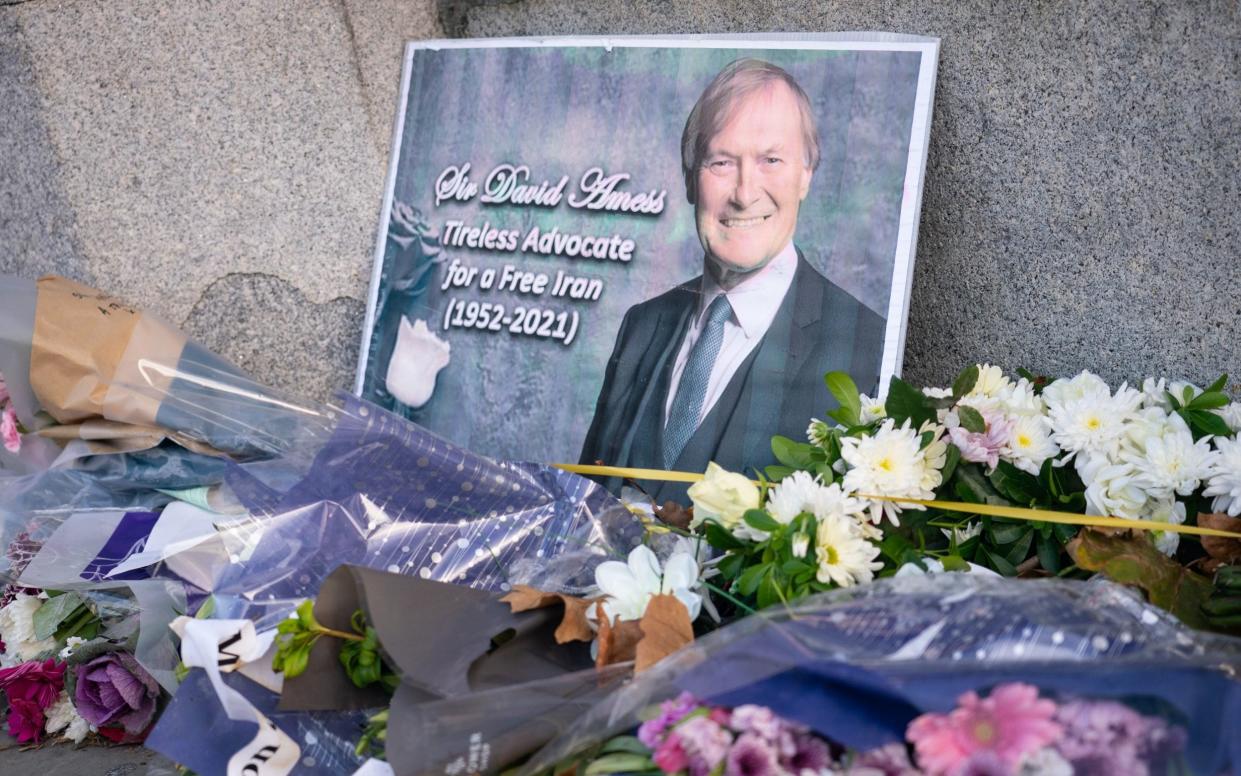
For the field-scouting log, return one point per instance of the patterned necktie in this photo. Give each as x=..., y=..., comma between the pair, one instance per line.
x=692, y=390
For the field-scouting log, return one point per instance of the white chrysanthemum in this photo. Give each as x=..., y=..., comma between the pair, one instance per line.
x=71, y=643
x=1093, y=423
x=628, y=587
x=17, y=631
x=990, y=382
x=963, y=533
x=938, y=393
x=1168, y=458
x=63, y=716
x=845, y=558
x=891, y=462
x=1029, y=443
x=801, y=492
x=1112, y=489
x=1166, y=510
x=872, y=410
x=1224, y=482
x=1231, y=413
x=1154, y=392
x=817, y=433
x=1085, y=384
x=1020, y=399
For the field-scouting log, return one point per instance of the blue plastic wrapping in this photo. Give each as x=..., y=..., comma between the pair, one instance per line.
x=857, y=665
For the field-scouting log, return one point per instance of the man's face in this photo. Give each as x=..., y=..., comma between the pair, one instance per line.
x=751, y=182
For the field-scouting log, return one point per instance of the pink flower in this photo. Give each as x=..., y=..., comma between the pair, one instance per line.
x=670, y=757
x=984, y=447
x=8, y=430
x=705, y=742
x=1011, y=723
x=36, y=682
x=25, y=720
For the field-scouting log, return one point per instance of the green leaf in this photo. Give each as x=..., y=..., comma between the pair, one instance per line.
x=845, y=391
x=1049, y=554
x=719, y=537
x=1021, y=550
x=768, y=593
x=54, y=611
x=1000, y=564
x=1017, y=486
x=797, y=455
x=1006, y=533
x=971, y=419
x=1205, y=422
x=965, y=381
x=1064, y=532
x=1209, y=401
x=748, y=582
x=905, y=402
x=629, y=744
x=777, y=473
x=758, y=519
x=731, y=565
x=951, y=459
x=1133, y=560
x=955, y=563
x=977, y=485
x=620, y=762
x=1218, y=385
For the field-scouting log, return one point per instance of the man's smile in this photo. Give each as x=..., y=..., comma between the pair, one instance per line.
x=743, y=223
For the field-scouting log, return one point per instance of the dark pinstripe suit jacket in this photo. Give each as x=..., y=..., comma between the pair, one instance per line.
x=819, y=328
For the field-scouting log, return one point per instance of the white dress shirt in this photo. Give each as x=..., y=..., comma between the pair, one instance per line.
x=754, y=302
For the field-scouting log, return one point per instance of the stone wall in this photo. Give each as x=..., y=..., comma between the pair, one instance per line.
x=222, y=164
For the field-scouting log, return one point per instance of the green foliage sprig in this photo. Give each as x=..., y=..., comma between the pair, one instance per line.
x=359, y=655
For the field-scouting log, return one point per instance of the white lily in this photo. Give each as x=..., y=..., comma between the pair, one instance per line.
x=628, y=587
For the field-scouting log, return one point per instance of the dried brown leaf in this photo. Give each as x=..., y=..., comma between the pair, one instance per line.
x=574, y=626
x=523, y=598
x=675, y=515
x=666, y=628
x=618, y=642
x=1223, y=550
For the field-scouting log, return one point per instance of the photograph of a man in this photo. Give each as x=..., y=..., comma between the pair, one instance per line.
x=712, y=369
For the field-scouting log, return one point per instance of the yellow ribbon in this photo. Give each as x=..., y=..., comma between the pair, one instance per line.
x=991, y=510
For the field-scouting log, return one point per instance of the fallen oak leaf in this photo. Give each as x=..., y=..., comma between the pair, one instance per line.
x=666, y=627
x=1134, y=560
x=573, y=627
x=1222, y=549
x=618, y=642
x=675, y=515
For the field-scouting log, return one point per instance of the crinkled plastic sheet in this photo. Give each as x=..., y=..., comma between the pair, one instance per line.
x=848, y=662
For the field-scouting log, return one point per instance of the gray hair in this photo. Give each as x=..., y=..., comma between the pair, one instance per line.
x=714, y=108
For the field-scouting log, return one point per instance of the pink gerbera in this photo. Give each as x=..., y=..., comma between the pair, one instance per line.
x=1011, y=723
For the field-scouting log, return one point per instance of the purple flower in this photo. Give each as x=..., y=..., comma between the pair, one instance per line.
x=114, y=690
x=751, y=756
x=757, y=720
x=1110, y=739
x=670, y=713
x=984, y=763
x=890, y=760
x=705, y=742
x=810, y=753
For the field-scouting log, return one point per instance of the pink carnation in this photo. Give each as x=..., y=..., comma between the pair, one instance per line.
x=8, y=430
x=984, y=447
x=670, y=757
x=1011, y=723
x=31, y=688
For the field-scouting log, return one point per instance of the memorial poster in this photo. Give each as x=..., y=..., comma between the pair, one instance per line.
x=562, y=215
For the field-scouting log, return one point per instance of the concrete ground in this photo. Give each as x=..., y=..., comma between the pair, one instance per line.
x=65, y=760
